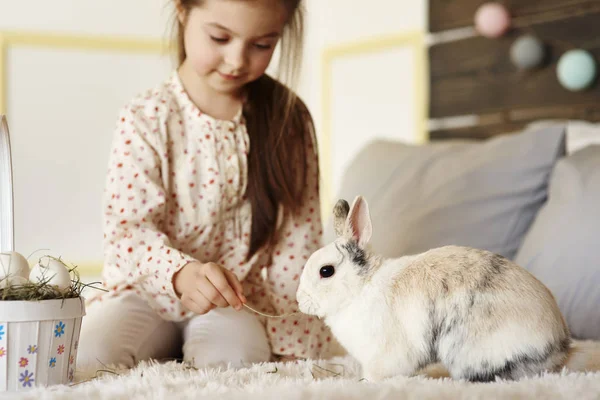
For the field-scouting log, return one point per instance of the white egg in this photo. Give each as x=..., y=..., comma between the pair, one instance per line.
x=11, y=281
x=52, y=272
x=13, y=264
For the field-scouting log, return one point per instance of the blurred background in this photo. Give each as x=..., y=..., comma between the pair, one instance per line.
x=69, y=65
x=410, y=75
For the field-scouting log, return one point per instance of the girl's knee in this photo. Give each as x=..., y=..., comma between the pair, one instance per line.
x=122, y=332
x=226, y=337
x=101, y=351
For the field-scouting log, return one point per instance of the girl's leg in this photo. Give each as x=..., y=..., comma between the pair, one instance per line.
x=225, y=336
x=124, y=330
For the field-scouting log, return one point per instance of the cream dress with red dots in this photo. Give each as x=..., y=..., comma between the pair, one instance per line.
x=175, y=194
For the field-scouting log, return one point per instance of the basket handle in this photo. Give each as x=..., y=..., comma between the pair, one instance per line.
x=6, y=190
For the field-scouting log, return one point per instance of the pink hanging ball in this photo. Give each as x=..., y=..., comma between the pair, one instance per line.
x=492, y=20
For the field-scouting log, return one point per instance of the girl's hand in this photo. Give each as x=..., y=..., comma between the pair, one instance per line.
x=203, y=287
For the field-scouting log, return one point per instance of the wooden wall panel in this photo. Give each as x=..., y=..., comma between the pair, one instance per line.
x=475, y=75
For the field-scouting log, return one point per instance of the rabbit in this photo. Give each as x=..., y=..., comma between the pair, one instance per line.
x=477, y=313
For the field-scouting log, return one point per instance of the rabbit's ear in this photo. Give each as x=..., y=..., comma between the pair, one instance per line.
x=340, y=213
x=358, y=224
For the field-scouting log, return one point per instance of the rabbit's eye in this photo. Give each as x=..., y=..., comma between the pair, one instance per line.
x=326, y=271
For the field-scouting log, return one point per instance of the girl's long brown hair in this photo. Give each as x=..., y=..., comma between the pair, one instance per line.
x=280, y=128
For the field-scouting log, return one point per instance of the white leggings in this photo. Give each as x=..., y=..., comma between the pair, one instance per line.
x=124, y=330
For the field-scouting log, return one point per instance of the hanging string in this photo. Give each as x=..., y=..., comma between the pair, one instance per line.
x=526, y=22
x=270, y=316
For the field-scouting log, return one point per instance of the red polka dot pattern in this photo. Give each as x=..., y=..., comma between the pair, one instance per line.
x=174, y=193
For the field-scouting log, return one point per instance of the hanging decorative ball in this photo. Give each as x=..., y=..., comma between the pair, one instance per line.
x=492, y=20
x=527, y=52
x=576, y=70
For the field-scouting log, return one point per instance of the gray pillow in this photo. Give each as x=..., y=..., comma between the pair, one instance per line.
x=483, y=194
x=561, y=248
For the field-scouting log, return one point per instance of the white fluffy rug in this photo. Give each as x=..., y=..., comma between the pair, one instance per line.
x=337, y=378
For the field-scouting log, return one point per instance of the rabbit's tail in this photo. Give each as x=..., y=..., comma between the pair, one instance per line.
x=584, y=356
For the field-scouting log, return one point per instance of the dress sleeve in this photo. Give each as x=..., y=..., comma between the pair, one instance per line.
x=300, y=235
x=137, y=251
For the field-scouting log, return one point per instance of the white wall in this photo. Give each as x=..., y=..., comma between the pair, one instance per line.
x=373, y=94
x=62, y=104
x=334, y=22
x=62, y=107
x=136, y=18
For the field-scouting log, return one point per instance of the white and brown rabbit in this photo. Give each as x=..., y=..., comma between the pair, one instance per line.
x=477, y=313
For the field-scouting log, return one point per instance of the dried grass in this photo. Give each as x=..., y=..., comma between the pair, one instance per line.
x=42, y=290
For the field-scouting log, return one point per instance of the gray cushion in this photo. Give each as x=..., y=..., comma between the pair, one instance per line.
x=562, y=247
x=479, y=194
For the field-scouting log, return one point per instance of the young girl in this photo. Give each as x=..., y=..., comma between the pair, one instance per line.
x=211, y=202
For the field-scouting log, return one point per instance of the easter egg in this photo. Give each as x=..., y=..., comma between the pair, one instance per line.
x=492, y=20
x=576, y=70
x=12, y=281
x=51, y=272
x=13, y=264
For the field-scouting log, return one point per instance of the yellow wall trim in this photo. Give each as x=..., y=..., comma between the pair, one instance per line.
x=89, y=269
x=84, y=42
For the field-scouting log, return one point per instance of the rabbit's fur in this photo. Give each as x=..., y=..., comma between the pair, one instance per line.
x=479, y=314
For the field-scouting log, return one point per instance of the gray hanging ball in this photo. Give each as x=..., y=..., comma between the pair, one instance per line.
x=527, y=52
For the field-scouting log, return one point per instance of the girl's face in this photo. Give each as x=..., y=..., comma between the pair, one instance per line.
x=230, y=43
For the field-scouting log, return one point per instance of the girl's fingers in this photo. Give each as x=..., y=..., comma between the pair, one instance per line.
x=236, y=284
x=217, y=277
x=197, y=303
x=209, y=291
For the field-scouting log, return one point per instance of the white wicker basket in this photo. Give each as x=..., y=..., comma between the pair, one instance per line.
x=38, y=339
x=38, y=342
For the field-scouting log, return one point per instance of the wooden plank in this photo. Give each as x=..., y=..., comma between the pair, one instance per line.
x=480, y=132
x=451, y=14
x=475, y=75
x=513, y=121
